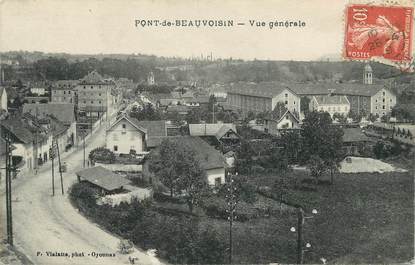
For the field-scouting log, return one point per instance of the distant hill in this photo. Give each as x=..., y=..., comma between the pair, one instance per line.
x=55, y=66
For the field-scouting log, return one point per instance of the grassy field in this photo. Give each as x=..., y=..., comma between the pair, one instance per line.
x=363, y=218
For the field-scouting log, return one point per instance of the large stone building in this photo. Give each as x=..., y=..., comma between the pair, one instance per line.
x=261, y=97
x=94, y=94
x=63, y=91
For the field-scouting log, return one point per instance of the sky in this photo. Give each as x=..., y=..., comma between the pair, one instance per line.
x=98, y=26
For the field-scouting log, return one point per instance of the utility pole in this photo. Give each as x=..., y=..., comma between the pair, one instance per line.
x=84, y=147
x=300, y=221
x=9, y=169
x=231, y=205
x=52, y=157
x=60, y=166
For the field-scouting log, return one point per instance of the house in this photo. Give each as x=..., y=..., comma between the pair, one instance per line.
x=211, y=160
x=3, y=98
x=261, y=97
x=179, y=109
x=24, y=141
x=331, y=104
x=107, y=181
x=277, y=121
x=127, y=134
x=63, y=91
x=356, y=143
x=224, y=133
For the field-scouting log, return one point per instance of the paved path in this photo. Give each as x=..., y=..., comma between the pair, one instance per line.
x=44, y=223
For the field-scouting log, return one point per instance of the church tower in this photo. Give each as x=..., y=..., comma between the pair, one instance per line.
x=368, y=75
x=150, y=79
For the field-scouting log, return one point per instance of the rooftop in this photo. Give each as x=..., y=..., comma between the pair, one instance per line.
x=103, y=178
x=332, y=100
x=62, y=111
x=263, y=89
x=211, y=129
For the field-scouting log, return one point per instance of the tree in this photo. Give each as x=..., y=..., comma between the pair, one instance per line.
x=322, y=148
x=147, y=112
x=192, y=178
x=179, y=170
x=163, y=164
x=339, y=117
x=292, y=144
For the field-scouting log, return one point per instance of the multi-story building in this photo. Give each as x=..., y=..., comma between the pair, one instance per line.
x=63, y=91
x=95, y=95
x=364, y=98
x=261, y=97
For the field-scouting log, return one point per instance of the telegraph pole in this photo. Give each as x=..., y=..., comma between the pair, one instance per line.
x=84, y=147
x=52, y=156
x=231, y=205
x=300, y=221
x=9, y=169
x=60, y=166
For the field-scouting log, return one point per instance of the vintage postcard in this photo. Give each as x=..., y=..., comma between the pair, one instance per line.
x=207, y=132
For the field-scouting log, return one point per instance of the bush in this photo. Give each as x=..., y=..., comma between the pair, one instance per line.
x=102, y=155
x=83, y=194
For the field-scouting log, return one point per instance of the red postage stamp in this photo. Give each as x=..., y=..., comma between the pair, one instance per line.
x=378, y=31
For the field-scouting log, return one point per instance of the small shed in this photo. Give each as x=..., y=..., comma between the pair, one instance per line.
x=106, y=180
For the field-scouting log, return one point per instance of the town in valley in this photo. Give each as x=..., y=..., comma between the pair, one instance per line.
x=149, y=160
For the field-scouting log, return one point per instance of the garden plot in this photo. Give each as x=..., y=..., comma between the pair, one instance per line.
x=353, y=164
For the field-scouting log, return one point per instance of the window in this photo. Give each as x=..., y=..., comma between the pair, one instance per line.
x=376, y=101
x=115, y=148
x=286, y=117
x=124, y=126
x=100, y=102
x=383, y=100
x=64, y=98
x=218, y=182
x=69, y=92
x=294, y=102
x=92, y=87
x=92, y=102
x=390, y=100
x=64, y=92
x=286, y=102
x=99, y=94
x=123, y=133
x=383, y=107
x=376, y=107
x=84, y=87
x=286, y=95
x=384, y=93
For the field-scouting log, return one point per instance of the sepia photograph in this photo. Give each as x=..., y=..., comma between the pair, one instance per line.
x=157, y=132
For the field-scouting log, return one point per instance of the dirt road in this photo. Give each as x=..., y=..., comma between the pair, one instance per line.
x=48, y=228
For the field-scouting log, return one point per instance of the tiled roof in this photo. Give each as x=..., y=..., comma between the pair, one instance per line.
x=93, y=78
x=354, y=135
x=64, y=84
x=211, y=129
x=331, y=100
x=263, y=89
x=154, y=128
x=18, y=129
x=103, y=178
x=336, y=89
x=208, y=157
x=271, y=89
x=62, y=111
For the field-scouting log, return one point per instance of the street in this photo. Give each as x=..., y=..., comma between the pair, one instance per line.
x=47, y=227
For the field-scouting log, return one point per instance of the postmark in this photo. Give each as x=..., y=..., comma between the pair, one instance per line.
x=382, y=32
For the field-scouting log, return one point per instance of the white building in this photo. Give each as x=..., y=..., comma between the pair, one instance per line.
x=331, y=104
